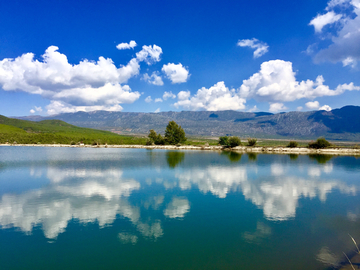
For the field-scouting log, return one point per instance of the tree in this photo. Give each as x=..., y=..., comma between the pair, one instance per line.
x=155, y=138
x=234, y=141
x=174, y=134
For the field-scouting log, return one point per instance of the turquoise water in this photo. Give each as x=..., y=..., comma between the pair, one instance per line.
x=84, y=208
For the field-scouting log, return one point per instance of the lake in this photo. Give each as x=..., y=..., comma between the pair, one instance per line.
x=88, y=208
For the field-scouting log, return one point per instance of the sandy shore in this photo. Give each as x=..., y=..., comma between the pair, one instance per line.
x=240, y=149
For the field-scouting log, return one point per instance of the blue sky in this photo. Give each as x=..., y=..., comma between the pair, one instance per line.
x=150, y=56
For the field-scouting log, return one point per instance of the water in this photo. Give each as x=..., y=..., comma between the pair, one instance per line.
x=83, y=208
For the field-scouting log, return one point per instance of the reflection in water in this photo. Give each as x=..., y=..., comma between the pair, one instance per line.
x=277, y=196
x=262, y=231
x=177, y=208
x=233, y=156
x=252, y=156
x=326, y=257
x=174, y=158
x=293, y=156
x=128, y=238
x=322, y=159
x=99, y=195
x=85, y=195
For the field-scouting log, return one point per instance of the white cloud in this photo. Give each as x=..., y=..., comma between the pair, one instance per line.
x=148, y=99
x=276, y=82
x=299, y=108
x=313, y=105
x=37, y=109
x=158, y=100
x=157, y=110
x=167, y=95
x=253, y=109
x=276, y=107
x=149, y=54
x=260, y=47
x=182, y=95
x=216, y=98
x=176, y=73
x=322, y=20
x=345, y=43
x=325, y=108
x=80, y=87
x=123, y=46
x=154, y=79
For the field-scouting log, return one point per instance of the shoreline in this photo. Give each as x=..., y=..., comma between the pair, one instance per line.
x=239, y=149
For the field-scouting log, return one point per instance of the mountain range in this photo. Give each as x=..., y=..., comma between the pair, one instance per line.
x=338, y=124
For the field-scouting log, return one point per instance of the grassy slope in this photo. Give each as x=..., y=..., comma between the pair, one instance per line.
x=56, y=131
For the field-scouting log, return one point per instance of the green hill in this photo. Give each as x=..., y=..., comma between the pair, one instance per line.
x=56, y=131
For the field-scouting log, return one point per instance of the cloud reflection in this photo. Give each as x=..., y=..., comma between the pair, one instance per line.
x=93, y=197
x=277, y=195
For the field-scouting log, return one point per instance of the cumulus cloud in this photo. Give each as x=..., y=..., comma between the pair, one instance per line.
x=260, y=47
x=158, y=100
x=276, y=107
x=80, y=87
x=154, y=79
x=168, y=95
x=215, y=98
x=148, y=99
x=276, y=82
x=157, y=110
x=149, y=54
x=123, y=46
x=345, y=42
x=176, y=73
x=313, y=105
x=325, y=108
x=36, y=109
x=322, y=20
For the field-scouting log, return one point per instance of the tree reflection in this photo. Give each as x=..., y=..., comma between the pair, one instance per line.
x=252, y=156
x=233, y=156
x=174, y=158
x=322, y=159
x=293, y=156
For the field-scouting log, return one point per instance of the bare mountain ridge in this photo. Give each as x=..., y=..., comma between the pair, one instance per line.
x=341, y=123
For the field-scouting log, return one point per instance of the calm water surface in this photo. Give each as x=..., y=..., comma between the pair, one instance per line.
x=82, y=208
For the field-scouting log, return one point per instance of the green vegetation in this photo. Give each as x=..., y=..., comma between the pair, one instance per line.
x=252, y=141
x=234, y=141
x=293, y=144
x=320, y=143
x=229, y=141
x=56, y=131
x=224, y=140
x=174, y=134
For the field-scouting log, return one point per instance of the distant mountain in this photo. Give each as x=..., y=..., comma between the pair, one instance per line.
x=341, y=123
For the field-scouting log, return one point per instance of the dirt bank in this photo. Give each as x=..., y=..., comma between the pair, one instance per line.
x=240, y=149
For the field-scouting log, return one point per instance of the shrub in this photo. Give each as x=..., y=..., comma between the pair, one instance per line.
x=252, y=141
x=292, y=144
x=174, y=134
x=149, y=142
x=224, y=140
x=319, y=143
x=234, y=141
